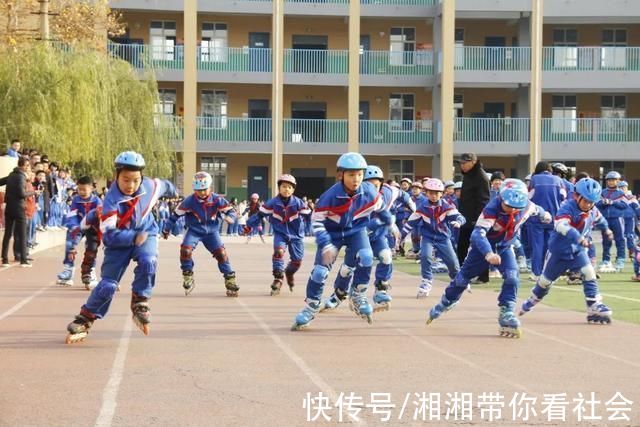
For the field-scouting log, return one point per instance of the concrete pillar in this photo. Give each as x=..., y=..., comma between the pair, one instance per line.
x=354, y=75
x=524, y=31
x=190, y=93
x=535, y=90
x=277, y=92
x=447, y=60
x=522, y=167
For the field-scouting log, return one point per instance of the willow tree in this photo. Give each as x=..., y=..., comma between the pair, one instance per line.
x=81, y=107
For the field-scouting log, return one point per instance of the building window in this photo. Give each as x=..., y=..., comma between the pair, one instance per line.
x=564, y=113
x=163, y=40
x=459, y=47
x=613, y=107
x=565, y=52
x=213, y=109
x=399, y=169
x=401, y=112
x=402, y=46
x=213, y=47
x=614, y=48
x=217, y=167
x=166, y=102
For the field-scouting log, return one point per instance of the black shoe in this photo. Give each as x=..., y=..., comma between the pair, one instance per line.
x=26, y=264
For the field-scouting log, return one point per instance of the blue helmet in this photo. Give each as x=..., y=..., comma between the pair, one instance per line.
x=351, y=161
x=589, y=188
x=623, y=184
x=613, y=175
x=129, y=160
x=373, y=172
x=202, y=181
x=514, y=193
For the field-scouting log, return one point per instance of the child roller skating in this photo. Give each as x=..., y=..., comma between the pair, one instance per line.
x=129, y=232
x=285, y=213
x=253, y=208
x=568, y=250
x=203, y=210
x=491, y=244
x=636, y=260
x=612, y=204
x=341, y=218
x=434, y=218
x=81, y=205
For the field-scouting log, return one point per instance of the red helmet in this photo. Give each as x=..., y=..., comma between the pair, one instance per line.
x=287, y=178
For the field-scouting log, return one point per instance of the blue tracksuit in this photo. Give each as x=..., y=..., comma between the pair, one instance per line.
x=341, y=219
x=569, y=187
x=636, y=257
x=252, y=209
x=78, y=210
x=123, y=218
x=202, y=219
x=571, y=225
x=631, y=214
x=547, y=191
x=612, y=206
x=415, y=232
x=402, y=207
x=434, y=222
x=494, y=231
x=493, y=194
x=287, y=223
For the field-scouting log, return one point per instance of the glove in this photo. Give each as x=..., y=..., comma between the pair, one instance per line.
x=584, y=242
x=228, y=219
x=609, y=235
x=329, y=254
x=456, y=224
x=246, y=230
x=546, y=218
x=493, y=259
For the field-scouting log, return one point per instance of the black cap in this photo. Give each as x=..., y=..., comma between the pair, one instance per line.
x=467, y=157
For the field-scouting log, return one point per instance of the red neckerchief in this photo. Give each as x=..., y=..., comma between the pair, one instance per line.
x=126, y=217
x=509, y=228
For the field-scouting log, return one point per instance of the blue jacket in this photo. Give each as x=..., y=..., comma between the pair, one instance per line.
x=572, y=225
x=402, y=205
x=285, y=216
x=451, y=199
x=633, y=207
x=434, y=220
x=337, y=214
x=497, y=229
x=201, y=215
x=612, y=204
x=123, y=217
x=79, y=208
x=547, y=191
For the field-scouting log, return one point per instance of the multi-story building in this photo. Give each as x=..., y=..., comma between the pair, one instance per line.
x=264, y=88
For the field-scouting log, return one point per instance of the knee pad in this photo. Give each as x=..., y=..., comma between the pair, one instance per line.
x=278, y=253
x=220, y=255
x=345, y=271
x=185, y=253
x=511, y=278
x=589, y=273
x=365, y=257
x=148, y=264
x=545, y=283
x=106, y=288
x=385, y=256
x=71, y=256
x=293, y=266
x=319, y=273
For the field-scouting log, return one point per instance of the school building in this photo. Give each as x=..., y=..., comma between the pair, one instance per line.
x=264, y=87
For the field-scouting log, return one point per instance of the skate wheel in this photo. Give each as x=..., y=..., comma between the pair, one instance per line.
x=74, y=338
x=429, y=321
x=510, y=332
x=275, y=292
x=232, y=294
x=144, y=327
x=296, y=327
x=290, y=288
x=379, y=308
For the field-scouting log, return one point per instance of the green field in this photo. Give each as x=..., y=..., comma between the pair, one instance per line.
x=619, y=292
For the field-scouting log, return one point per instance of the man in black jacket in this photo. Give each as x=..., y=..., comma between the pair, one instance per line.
x=15, y=220
x=474, y=197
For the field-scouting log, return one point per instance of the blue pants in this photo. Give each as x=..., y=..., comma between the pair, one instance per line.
x=617, y=227
x=636, y=260
x=475, y=264
x=539, y=235
x=358, y=253
x=116, y=261
x=415, y=240
x=555, y=266
x=92, y=242
x=445, y=251
x=629, y=232
x=524, y=239
x=296, y=252
x=211, y=242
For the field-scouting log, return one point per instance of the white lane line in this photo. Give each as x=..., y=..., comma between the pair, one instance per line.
x=604, y=295
x=461, y=359
x=110, y=392
x=300, y=363
x=24, y=302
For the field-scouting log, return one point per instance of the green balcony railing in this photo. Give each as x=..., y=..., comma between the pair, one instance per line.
x=400, y=2
x=233, y=129
x=318, y=1
x=573, y=58
x=590, y=130
x=413, y=63
x=234, y=59
x=167, y=57
x=315, y=131
x=481, y=58
x=491, y=130
x=169, y=124
x=316, y=61
x=396, y=131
